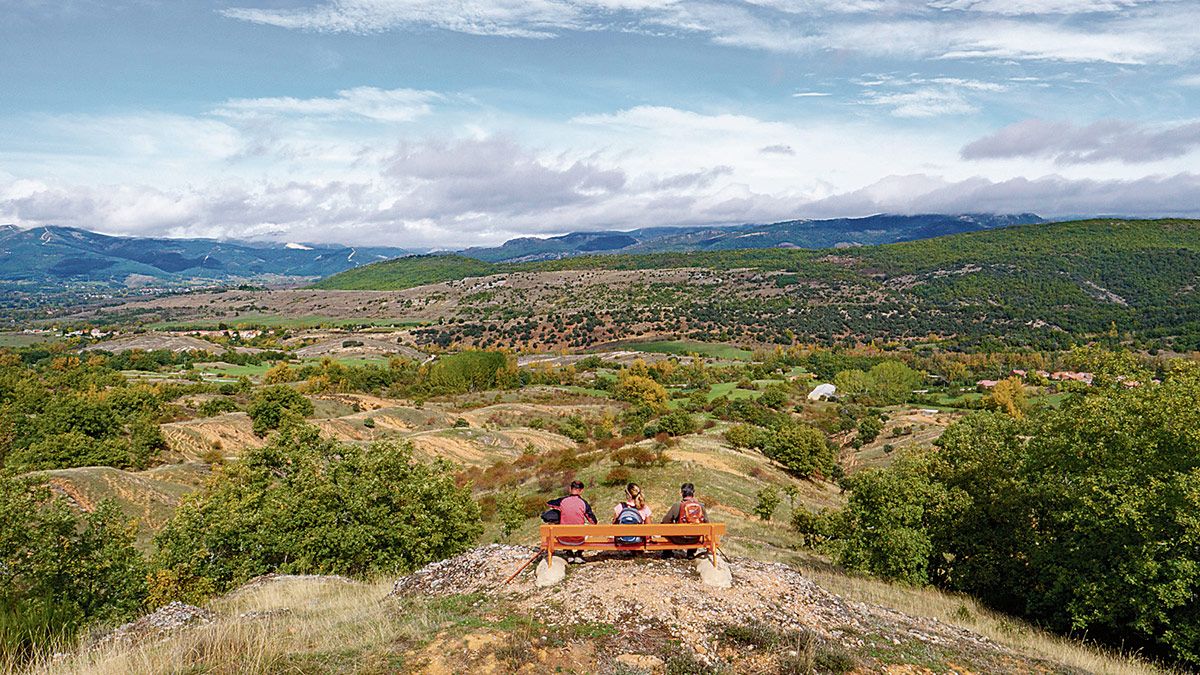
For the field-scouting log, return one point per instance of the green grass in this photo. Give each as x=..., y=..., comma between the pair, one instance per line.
x=233, y=370
x=401, y=273
x=245, y=321
x=24, y=340
x=584, y=391
x=684, y=347
x=957, y=401
x=731, y=390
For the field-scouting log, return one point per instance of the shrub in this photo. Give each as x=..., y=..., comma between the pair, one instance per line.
x=617, y=476
x=801, y=449
x=60, y=572
x=273, y=404
x=676, y=423
x=216, y=406
x=774, y=397
x=639, y=389
x=574, y=428
x=640, y=456
x=742, y=436
x=768, y=501
x=869, y=428
x=304, y=504
x=470, y=371
x=510, y=512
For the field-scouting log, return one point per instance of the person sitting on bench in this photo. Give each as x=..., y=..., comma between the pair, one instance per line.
x=687, y=510
x=633, y=510
x=573, y=509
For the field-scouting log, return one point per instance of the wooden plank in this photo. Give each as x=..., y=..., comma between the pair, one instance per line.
x=664, y=530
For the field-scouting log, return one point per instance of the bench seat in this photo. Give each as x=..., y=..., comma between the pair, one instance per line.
x=656, y=537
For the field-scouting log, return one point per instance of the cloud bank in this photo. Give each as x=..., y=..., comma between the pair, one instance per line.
x=1103, y=141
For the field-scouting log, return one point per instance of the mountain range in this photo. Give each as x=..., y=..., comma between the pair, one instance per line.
x=52, y=255
x=877, y=229
x=49, y=255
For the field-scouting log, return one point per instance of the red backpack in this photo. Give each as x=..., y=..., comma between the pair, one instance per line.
x=691, y=512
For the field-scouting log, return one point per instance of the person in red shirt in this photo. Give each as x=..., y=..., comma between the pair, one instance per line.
x=573, y=509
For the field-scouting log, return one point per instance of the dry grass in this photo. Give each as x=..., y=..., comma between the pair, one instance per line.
x=322, y=626
x=965, y=612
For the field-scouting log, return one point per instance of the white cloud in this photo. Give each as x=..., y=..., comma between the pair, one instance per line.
x=511, y=18
x=1111, y=31
x=809, y=94
x=1020, y=7
x=1106, y=140
x=1050, y=196
x=387, y=105
x=923, y=102
x=318, y=173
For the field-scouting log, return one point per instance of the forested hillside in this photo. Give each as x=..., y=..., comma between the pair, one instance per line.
x=1034, y=285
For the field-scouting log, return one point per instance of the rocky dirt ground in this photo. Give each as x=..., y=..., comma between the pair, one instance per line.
x=613, y=615
x=660, y=614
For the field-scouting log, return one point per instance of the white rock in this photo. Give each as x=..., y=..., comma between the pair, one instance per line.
x=548, y=575
x=717, y=576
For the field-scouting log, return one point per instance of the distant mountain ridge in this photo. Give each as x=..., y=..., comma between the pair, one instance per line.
x=876, y=229
x=52, y=254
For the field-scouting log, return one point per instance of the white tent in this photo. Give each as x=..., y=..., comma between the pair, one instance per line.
x=822, y=391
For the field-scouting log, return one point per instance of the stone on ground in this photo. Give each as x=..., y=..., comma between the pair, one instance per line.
x=548, y=575
x=717, y=576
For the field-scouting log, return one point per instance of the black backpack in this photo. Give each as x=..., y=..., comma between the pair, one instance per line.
x=551, y=516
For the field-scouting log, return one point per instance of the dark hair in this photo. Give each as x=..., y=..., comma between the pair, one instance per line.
x=576, y=485
x=687, y=490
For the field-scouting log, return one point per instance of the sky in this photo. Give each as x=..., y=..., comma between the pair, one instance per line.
x=455, y=123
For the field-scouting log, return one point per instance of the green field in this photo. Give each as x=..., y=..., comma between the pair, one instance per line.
x=233, y=371
x=24, y=340
x=246, y=321
x=731, y=390
x=684, y=347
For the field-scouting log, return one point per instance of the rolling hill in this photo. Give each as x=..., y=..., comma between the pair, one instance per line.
x=1035, y=285
x=877, y=229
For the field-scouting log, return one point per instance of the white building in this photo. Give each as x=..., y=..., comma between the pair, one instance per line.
x=822, y=391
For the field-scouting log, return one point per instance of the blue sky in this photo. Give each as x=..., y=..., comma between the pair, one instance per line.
x=447, y=124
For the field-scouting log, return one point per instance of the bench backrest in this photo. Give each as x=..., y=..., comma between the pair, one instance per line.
x=644, y=530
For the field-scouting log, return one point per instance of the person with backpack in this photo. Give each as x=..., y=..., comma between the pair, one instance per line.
x=573, y=509
x=633, y=510
x=687, y=510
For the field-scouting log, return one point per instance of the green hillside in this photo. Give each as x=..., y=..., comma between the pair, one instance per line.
x=1088, y=245
x=1043, y=285
x=407, y=272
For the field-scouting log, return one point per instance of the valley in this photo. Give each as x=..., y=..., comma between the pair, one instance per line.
x=816, y=399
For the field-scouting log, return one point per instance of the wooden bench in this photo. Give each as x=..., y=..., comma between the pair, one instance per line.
x=654, y=537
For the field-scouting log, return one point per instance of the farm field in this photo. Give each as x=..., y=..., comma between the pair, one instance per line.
x=25, y=339
x=266, y=320
x=684, y=347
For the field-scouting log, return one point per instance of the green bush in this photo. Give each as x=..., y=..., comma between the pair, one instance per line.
x=304, y=504
x=1092, y=506
x=675, y=423
x=472, y=370
x=869, y=428
x=59, y=572
x=768, y=501
x=272, y=405
x=801, y=449
x=216, y=406
x=510, y=511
